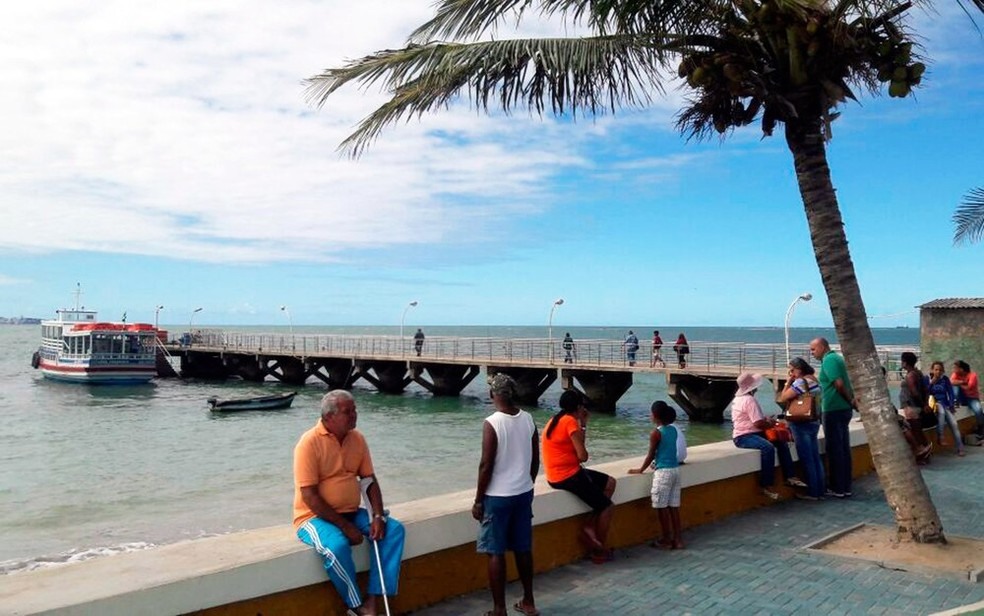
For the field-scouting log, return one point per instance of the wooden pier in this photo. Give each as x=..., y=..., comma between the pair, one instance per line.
x=601, y=369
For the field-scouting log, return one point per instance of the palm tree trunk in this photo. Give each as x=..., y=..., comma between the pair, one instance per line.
x=905, y=490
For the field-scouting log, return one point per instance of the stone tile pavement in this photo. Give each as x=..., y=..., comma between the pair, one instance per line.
x=753, y=563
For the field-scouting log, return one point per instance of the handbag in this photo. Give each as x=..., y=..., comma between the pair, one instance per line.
x=803, y=408
x=779, y=434
x=931, y=403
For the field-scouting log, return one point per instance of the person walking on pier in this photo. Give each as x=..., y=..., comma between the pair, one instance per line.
x=570, y=351
x=329, y=461
x=418, y=341
x=657, y=349
x=682, y=349
x=631, y=345
x=836, y=410
x=750, y=424
x=564, y=453
x=504, y=495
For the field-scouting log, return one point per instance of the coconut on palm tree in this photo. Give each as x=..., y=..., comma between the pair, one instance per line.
x=782, y=63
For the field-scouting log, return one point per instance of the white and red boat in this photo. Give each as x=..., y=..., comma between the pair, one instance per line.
x=76, y=347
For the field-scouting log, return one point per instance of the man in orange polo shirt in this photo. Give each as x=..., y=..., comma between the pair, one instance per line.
x=329, y=461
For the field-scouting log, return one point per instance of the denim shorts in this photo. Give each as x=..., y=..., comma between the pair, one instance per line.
x=507, y=524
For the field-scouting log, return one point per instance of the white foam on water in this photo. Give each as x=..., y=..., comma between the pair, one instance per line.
x=71, y=556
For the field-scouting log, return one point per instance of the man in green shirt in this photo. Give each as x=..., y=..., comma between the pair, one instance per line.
x=837, y=407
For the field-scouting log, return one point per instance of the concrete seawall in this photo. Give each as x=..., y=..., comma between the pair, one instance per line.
x=268, y=571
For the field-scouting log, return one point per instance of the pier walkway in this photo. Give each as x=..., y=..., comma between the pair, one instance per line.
x=754, y=563
x=602, y=369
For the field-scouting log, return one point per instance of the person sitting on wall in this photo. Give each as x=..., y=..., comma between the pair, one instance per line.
x=912, y=400
x=329, y=461
x=564, y=452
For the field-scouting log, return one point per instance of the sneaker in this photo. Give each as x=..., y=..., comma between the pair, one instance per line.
x=848, y=494
x=832, y=494
x=766, y=492
x=795, y=482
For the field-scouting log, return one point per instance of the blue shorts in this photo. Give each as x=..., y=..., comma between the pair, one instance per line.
x=507, y=524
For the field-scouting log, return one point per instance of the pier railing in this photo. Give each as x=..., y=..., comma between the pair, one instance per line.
x=726, y=358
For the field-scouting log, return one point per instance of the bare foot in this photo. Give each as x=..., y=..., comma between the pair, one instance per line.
x=677, y=545
x=591, y=539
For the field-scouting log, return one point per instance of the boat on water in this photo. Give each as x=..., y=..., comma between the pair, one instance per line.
x=78, y=348
x=260, y=403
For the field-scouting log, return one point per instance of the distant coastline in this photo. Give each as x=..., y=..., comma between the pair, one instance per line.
x=19, y=321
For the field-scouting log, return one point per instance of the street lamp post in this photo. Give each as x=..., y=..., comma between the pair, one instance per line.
x=557, y=302
x=191, y=321
x=157, y=312
x=402, y=320
x=805, y=297
x=290, y=322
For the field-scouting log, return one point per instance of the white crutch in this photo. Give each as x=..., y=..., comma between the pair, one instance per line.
x=364, y=484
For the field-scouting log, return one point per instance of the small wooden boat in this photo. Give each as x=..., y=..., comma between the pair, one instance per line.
x=260, y=403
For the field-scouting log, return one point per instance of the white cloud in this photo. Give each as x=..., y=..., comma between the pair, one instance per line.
x=182, y=130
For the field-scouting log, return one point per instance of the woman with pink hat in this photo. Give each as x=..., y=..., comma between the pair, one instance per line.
x=749, y=433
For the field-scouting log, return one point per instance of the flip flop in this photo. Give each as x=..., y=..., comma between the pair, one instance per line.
x=522, y=609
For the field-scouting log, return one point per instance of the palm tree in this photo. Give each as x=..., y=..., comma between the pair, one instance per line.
x=781, y=62
x=968, y=220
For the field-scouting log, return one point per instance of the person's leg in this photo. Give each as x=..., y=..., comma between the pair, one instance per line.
x=786, y=461
x=843, y=422
x=806, y=452
x=521, y=543
x=767, y=474
x=940, y=426
x=838, y=448
x=817, y=488
x=665, y=525
x=675, y=524
x=333, y=547
x=497, y=583
x=951, y=421
x=974, y=404
x=390, y=553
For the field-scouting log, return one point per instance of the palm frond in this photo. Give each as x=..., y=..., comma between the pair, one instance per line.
x=968, y=220
x=576, y=76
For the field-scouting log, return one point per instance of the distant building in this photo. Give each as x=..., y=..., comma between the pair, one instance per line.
x=952, y=329
x=19, y=321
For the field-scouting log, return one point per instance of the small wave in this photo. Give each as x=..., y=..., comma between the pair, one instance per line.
x=71, y=556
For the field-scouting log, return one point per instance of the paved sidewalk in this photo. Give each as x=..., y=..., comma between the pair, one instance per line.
x=753, y=564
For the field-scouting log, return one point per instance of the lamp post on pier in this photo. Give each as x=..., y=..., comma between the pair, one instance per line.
x=157, y=312
x=290, y=322
x=557, y=302
x=805, y=297
x=191, y=321
x=402, y=321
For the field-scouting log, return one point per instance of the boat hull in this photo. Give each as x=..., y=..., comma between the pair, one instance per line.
x=108, y=374
x=265, y=403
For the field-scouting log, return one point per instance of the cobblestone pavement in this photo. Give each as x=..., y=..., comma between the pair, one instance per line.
x=754, y=563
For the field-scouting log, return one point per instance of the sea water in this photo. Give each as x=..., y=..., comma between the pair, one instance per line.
x=91, y=470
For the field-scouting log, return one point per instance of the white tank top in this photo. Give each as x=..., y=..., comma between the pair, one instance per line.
x=514, y=453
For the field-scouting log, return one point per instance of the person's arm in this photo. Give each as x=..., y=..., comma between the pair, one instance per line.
x=845, y=392
x=327, y=513
x=762, y=422
x=654, y=438
x=490, y=444
x=535, y=458
x=377, y=528
x=789, y=392
x=950, y=400
x=577, y=439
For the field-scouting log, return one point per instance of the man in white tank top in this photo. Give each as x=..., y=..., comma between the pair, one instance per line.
x=504, y=497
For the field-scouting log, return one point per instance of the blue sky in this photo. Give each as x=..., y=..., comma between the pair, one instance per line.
x=167, y=155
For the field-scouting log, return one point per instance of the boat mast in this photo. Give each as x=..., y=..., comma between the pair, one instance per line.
x=78, y=295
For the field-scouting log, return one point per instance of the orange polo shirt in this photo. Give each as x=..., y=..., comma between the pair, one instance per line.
x=320, y=460
x=559, y=456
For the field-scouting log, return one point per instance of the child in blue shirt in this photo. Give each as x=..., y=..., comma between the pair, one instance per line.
x=664, y=457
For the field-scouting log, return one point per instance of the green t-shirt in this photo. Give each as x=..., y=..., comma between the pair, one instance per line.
x=832, y=367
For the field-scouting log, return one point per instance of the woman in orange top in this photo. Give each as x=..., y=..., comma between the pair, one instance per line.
x=563, y=454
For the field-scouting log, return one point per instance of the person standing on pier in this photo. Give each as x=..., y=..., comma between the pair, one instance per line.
x=682, y=348
x=657, y=349
x=836, y=410
x=504, y=495
x=329, y=461
x=570, y=351
x=631, y=345
x=418, y=341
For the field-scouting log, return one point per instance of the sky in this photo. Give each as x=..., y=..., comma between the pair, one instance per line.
x=166, y=154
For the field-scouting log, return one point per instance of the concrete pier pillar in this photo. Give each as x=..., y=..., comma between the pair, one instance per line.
x=603, y=389
x=704, y=398
x=337, y=373
x=248, y=367
x=444, y=379
x=203, y=366
x=530, y=382
x=289, y=370
x=390, y=377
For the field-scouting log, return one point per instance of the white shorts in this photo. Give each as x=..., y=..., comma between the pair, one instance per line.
x=666, y=488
